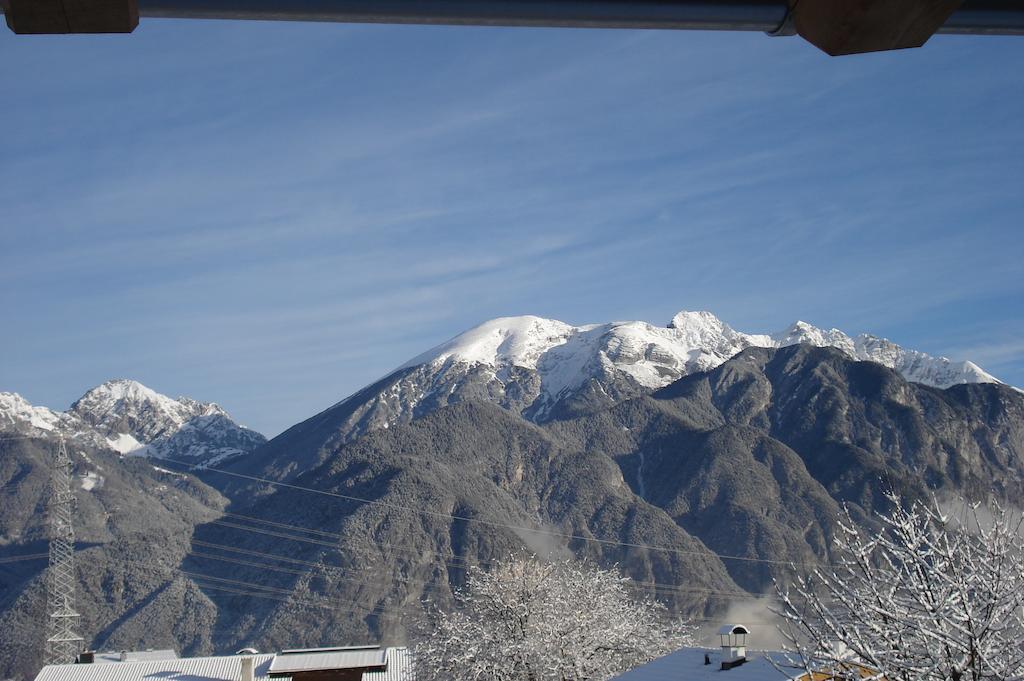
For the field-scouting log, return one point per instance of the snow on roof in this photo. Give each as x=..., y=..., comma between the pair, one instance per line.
x=144, y=665
x=294, y=661
x=134, y=656
x=687, y=664
x=223, y=668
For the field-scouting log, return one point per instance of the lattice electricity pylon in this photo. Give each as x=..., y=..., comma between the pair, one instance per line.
x=63, y=643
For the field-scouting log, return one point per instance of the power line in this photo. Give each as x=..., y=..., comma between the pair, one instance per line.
x=11, y=438
x=291, y=596
x=515, y=528
x=264, y=590
x=30, y=556
x=461, y=565
x=408, y=581
x=190, y=466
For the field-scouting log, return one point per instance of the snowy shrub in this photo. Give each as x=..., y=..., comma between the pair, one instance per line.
x=931, y=596
x=529, y=620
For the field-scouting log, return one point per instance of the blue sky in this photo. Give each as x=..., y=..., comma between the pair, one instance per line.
x=273, y=215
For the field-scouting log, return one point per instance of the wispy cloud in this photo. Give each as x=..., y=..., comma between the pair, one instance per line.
x=271, y=216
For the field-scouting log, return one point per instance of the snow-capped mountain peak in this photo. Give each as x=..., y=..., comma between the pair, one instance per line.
x=506, y=341
x=15, y=409
x=563, y=352
x=123, y=406
x=914, y=365
x=802, y=332
x=567, y=356
x=130, y=418
x=542, y=367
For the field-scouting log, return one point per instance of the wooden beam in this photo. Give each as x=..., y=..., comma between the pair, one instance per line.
x=854, y=26
x=71, y=16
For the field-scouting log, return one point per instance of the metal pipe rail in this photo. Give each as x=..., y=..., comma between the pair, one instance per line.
x=749, y=15
x=989, y=17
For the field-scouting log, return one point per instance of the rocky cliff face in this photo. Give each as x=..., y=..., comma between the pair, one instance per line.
x=754, y=456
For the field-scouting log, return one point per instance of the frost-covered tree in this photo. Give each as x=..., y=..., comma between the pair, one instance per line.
x=930, y=596
x=529, y=620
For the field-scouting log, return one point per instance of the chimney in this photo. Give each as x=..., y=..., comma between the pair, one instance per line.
x=124, y=656
x=248, y=669
x=734, y=645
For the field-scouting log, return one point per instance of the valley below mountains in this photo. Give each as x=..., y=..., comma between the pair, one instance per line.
x=703, y=461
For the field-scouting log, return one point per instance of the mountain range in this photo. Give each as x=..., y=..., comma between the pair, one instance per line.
x=547, y=370
x=701, y=460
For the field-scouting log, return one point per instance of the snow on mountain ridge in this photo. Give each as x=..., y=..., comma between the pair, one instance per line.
x=518, y=341
x=533, y=364
x=693, y=341
x=802, y=332
x=544, y=368
x=914, y=365
x=130, y=418
x=16, y=409
x=126, y=406
x=20, y=417
x=209, y=438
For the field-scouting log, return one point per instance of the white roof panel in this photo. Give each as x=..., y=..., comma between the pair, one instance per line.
x=229, y=667
x=224, y=668
x=330, y=658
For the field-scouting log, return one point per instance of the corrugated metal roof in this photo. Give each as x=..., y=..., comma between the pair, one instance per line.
x=338, y=658
x=400, y=667
x=224, y=668
x=293, y=651
x=398, y=663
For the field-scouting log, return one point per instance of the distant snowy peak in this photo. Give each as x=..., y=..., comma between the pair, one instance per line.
x=19, y=417
x=127, y=407
x=914, y=365
x=703, y=329
x=17, y=414
x=130, y=418
x=802, y=332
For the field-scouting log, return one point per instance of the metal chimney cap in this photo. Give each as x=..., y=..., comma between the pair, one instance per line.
x=731, y=629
